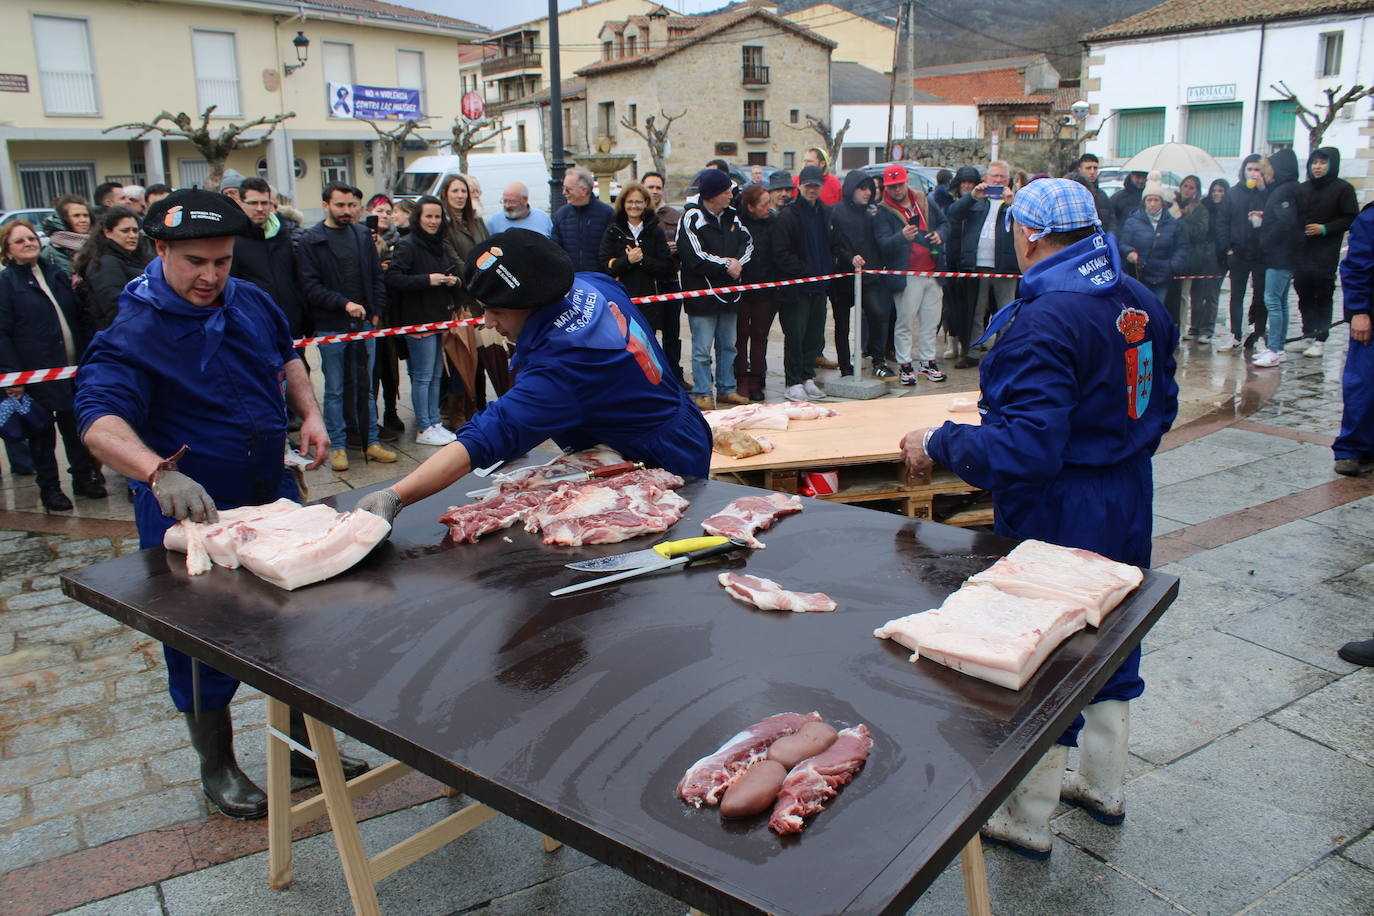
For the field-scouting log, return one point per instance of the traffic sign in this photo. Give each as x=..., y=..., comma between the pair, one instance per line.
x=472, y=106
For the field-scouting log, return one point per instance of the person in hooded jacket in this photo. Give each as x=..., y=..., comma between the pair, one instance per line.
x=1077, y=393
x=1244, y=261
x=855, y=244
x=756, y=307
x=1206, y=261
x=1129, y=197
x=1186, y=295
x=1354, y=445
x=713, y=247
x=911, y=232
x=422, y=279
x=1152, y=242
x=1282, y=246
x=956, y=315
x=111, y=257
x=1329, y=207
x=801, y=248
x=985, y=247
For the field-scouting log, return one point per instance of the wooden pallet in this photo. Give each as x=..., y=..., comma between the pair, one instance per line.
x=863, y=445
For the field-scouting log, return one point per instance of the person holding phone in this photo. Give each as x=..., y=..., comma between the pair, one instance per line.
x=987, y=245
x=911, y=233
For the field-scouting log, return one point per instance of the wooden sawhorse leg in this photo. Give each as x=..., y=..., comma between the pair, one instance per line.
x=975, y=878
x=336, y=798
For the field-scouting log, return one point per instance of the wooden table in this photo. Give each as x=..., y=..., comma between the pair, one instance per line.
x=862, y=444
x=578, y=715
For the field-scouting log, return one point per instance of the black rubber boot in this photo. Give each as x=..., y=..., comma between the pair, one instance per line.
x=231, y=791
x=304, y=768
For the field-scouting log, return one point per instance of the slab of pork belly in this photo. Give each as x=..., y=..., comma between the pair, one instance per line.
x=290, y=561
x=987, y=633
x=1042, y=569
x=175, y=538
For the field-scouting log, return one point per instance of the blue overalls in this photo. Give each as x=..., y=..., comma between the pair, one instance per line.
x=1076, y=395
x=208, y=378
x=1356, y=439
x=588, y=371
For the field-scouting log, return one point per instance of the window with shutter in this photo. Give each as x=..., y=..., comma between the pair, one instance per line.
x=1280, y=124
x=217, y=72
x=337, y=68
x=1215, y=128
x=410, y=72
x=1138, y=129
x=66, y=71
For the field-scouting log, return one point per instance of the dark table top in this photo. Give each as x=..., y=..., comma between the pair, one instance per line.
x=578, y=715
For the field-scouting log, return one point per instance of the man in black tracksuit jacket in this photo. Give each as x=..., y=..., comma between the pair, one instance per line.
x=1328, y=209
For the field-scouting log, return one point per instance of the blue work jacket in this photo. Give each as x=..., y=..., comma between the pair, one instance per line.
x=588, y=370
x=1076, y=395
x=206, y=377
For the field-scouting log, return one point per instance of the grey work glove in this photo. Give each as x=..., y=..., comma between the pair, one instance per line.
x=179, y=497
x=384, y=504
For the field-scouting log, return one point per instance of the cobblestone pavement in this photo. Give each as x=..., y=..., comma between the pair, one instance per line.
x=1252, y=752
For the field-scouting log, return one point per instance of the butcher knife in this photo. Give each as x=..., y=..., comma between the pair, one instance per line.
x=684, y=560
x=637, y=558
x=609, y=470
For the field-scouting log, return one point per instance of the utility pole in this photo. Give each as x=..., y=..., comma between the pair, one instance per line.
x=892, y=89
x=910, y=70
x=557, y=166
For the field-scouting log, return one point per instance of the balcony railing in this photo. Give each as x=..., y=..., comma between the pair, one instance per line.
x=755, y=76
x=68, y=92
x=510, y=62
x=756, y=130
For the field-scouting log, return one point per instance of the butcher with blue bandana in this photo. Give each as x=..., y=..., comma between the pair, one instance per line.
x=1076, y=394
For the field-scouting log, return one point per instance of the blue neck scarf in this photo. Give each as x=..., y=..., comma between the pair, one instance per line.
x=214, y=317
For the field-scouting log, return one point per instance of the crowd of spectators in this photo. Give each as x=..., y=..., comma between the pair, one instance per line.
x=395, y=263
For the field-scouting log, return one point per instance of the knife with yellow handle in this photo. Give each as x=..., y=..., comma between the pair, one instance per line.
x=637, y=558
x=660, y=562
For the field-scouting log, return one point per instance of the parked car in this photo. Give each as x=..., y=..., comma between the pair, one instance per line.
x=34, y=215
x=493, y=170
x=920, y=177
x=742, y=174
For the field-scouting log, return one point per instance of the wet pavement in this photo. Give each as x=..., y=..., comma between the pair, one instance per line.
x=1252, y=768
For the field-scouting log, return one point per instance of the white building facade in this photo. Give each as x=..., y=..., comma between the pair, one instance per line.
x=1211, y=86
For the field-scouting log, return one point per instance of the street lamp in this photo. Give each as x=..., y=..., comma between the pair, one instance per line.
x=302, y=53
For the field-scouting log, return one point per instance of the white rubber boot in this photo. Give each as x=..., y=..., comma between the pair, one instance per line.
x=1023, y=821
x=1098, y=786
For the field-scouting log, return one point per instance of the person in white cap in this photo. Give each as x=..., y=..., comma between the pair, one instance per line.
x=1076, y=394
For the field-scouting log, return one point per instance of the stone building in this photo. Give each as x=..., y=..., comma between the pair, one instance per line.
x=743, y=80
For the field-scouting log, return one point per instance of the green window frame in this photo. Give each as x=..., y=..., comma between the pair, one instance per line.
x=1138, y=129
x=1216, y=128
x=1281, y=123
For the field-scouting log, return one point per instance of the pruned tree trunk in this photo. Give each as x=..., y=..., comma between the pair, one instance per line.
x=833, y=142
x=215, y=148
x=1336, y=99
x=655, y=137
x=466, y=137
x=384, y=155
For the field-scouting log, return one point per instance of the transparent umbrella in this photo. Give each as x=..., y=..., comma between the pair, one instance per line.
x=1182, y=158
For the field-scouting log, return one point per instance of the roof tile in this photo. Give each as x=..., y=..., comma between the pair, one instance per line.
x=1192, y=15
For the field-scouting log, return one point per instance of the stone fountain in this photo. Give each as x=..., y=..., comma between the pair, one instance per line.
x=604, y=164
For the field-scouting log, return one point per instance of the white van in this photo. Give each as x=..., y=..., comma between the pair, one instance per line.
x=493, y=170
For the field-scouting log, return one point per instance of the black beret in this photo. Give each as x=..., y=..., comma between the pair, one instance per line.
x=194, y=214
x=518, y=269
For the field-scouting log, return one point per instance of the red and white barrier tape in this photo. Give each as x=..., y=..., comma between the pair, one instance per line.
x=33, y=376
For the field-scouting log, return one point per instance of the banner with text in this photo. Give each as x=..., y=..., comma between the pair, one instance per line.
x=373, y=103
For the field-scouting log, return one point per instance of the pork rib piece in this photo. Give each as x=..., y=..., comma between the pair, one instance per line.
x=748, y=514
x=767, y=595
x=706, y=780
x=501, y=510
x=576, y=515
x=987, y=633
x=816, y=780
x=1036, y=569
x=290, y=560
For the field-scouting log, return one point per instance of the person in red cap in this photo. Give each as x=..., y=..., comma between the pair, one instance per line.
x=911, y=233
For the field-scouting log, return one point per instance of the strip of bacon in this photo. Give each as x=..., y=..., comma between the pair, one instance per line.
x=767, y=595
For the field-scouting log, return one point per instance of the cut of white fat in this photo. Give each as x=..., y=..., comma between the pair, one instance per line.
x=988, y=633
x=1037, y=569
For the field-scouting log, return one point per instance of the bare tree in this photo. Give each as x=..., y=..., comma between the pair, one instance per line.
x=1336, y=99
x=384, y=153
x=832, y=142
x=656, y=137
x=466, y=139
x=215, y=148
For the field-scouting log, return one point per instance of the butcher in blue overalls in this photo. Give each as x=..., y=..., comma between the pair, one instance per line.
x=183, y=395
x=1076, y=395
x=588, y=370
